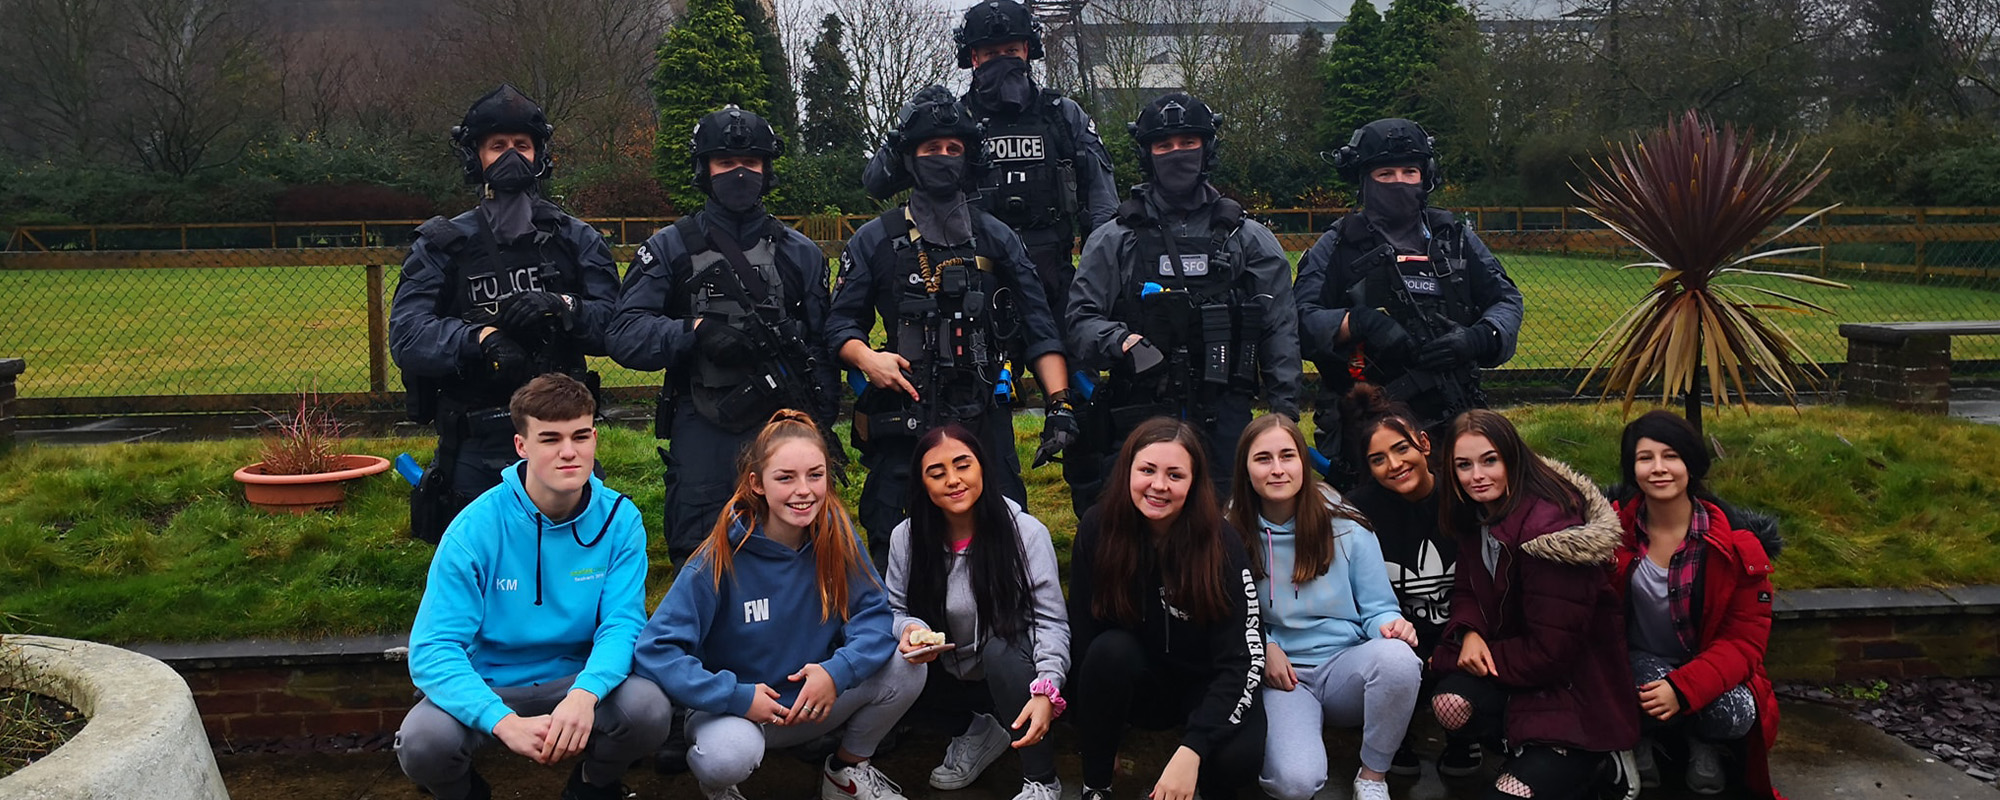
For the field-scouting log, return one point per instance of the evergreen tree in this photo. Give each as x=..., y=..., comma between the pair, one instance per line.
x=833, y=121
x=1415, y=35
x=706, y=61
x=1359, y=81
x=778, y=95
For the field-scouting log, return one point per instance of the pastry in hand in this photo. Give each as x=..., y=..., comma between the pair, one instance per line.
x=923, y=638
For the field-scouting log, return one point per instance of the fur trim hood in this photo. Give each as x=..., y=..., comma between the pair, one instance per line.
x=1595, y=541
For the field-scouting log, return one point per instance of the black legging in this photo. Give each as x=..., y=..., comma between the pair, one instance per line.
x=1115, y=683
x=1549, y=773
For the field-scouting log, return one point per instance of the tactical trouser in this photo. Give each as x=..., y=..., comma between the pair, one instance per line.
x=700, y=476
x=889, y=487
x=1219, y=435
x=1054, y=264
x=474, y=445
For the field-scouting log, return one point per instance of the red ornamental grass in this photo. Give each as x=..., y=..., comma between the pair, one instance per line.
x=305, y=439
x=1693, y=197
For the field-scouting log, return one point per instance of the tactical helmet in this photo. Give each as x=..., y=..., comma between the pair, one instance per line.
x=934, y=112
x=735, y=132
x=1389, y=142
x=1172, y=114
x=503, y=110
x=993, y=22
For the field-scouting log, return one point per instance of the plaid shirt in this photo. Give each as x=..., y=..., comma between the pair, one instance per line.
x=1684, y=577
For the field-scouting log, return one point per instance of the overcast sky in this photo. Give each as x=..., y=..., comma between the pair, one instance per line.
x=1321, y=10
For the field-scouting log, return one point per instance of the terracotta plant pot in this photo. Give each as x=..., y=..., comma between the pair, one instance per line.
x=299, y=494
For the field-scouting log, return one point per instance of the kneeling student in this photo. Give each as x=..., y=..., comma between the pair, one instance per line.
x=777, y=631
x=534, y=600
x=1338, y=648
x=978, y=574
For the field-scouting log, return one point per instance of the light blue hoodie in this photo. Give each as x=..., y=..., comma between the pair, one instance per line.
x=710, y=648
x=517, y=599
x=1347, y=606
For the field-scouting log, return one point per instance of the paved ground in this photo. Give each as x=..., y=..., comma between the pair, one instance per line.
x=1822, y=753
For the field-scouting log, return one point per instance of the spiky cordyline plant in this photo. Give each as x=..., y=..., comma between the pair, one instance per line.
x=1692, y=197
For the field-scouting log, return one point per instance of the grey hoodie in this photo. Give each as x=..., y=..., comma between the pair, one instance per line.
x=1048, y=636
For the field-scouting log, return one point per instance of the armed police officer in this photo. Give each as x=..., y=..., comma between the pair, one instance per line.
x=963, y=312
x=491, y=298
x=1400, y=294
x=1185, y=301
x=1050, y=179
x=732, y=304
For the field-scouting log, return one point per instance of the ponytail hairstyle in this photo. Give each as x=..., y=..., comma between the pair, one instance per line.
x=1313, y=511
x=836, y=553
x=994, y=560
x=1527, y=474
x=1189, y=556
x=1367, y=408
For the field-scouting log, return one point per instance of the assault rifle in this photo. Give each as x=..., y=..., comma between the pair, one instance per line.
x=1424, y=327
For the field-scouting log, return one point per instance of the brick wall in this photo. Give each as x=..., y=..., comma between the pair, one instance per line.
x=249, y=704
x=1913, y=374
x=1838, y=635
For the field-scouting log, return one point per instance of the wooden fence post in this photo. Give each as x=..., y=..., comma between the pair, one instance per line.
x=1920, y=247
x=378, y=333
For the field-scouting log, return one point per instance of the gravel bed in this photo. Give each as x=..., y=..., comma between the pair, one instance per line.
x=1955, y=720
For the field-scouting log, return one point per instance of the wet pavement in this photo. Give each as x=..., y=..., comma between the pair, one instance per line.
x=1821, y=753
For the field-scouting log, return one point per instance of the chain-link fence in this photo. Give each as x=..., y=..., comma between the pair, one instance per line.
x=187, y=317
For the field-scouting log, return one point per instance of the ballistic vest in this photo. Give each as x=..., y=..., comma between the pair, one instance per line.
x=1031, y=184
x=953, y=322
x=734, y=396
x=482, y=272
x=1439, y=286
x=1192, y=298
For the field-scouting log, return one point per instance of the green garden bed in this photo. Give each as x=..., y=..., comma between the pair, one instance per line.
x=152, y=542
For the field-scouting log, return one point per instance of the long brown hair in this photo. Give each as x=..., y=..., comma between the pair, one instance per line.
x=1313, y=511
x=836, y=554
x=1189, y=555
x=1527, y=474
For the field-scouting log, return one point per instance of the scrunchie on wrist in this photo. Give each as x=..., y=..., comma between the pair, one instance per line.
x=1047, y=688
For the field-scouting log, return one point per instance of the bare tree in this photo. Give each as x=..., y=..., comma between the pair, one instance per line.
x=54, y=74
x=316, y=77
x=201, y=82
x=900, y=46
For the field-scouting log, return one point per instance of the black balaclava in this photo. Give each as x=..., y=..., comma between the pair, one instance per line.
x=938, y=202
x=509, y=203
x=1397, y=210
x=739, y=190
x=1003, y=86
x=1178, y=177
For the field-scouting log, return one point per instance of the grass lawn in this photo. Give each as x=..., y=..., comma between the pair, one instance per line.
x=147, y=542
x=183, y=331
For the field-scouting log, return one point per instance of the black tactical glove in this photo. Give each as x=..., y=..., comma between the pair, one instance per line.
x=504, y=359
x=1059, y=427
x=1382, y=338
x=1461, y=348
x=530, y=315
x=722, y=343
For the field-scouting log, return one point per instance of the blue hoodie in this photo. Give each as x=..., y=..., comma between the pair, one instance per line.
x=517, y=599
x=1348, y=605
x=709, y=649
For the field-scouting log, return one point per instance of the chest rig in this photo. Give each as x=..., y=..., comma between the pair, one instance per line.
x=1190, y=296
x=1032, y=183
x=1403, y=286
x=953, y=322
x=759, y=302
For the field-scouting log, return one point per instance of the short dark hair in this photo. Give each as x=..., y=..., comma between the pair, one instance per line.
x=554, y=397
x=1671, y=430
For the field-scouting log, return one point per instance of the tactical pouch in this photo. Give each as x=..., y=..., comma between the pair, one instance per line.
x=1066, y=189
x=880, y=415
x=746, y=407
x=420, y=398
x=663, y=413
x=1249, y=331
x=433, y=505
x=1216, y=325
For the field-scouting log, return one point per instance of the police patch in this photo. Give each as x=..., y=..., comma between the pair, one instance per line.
x=1422, y=284
x=645, y=255
x=846, y=266
x=1016, y=148
x=1193, y=265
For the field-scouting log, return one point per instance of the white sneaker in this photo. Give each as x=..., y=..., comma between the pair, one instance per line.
x=970, y=754
x=1365, y=789
x=1037, y=790
x=724, y=793
x=859, y=782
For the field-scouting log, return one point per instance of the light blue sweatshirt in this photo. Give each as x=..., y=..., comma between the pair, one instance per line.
x=517, y=599
x=1347, y=606
x=709, y=647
